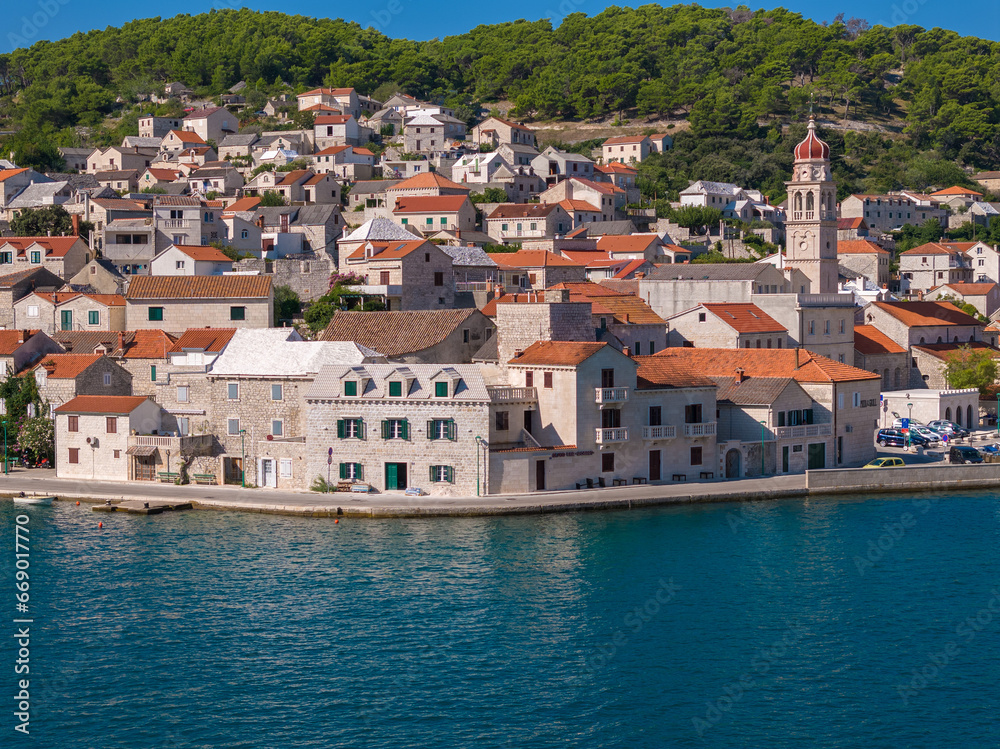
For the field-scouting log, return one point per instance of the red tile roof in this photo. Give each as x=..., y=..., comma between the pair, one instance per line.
x=203, y=253
x=54, y=246
x=387, y=250
x=424, y=181
x=955, y=191
x=578, y=205
x=745, y=318
x=621, y=140
x=969, y=289
x=632, y=267
x=522, y=210
x=395, y=333
x=328, y=92
x=102, y=404
x=333, y=119
x=430, y=203
x=531, y=259
x=186, y=136
x=243, y=204
x=212, y=340
x=859, y=247
x=557, y=353
x=165, y=175
x=66, y=366
x=7, y=173
x=12, y=340
x=932, y=248
x=627, y=242
x=945, y=351
x=656, y=373
x=812, y=367
x=850, y=223
x=926, y=314
x=198, y=287
x=61, y=297
x=870, y=340
x=601, y=187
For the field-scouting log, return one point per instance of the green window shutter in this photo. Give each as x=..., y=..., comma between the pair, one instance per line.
x=359, y=471
x=361, y=428
x=452, y=430
x=343, y=470
x=152, y=373
x=385, y=429
x=406, y=429
x=432, y=477
x=430, y=430
x=809, y=416
x=449, y=474
x=781, y=418
x=340, y=431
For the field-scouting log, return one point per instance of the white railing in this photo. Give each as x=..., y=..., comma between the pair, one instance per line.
x=804, y=430
x=378, y=289
x=659, y=432
x=500, y=394
x=610, y=395
x=706, y=429
x=151, y=441
x=605, y=436
x=176, y=223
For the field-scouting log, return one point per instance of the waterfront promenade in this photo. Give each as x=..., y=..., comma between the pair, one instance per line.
x=399, y=505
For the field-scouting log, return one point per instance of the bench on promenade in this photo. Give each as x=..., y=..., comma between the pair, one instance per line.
x=204, y=478
x=168, y=477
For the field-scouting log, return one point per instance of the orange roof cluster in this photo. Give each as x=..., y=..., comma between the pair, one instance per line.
x=799, y=364
x=187, y=136
x=926, y=314
x=557, y=353
x=430, y=203
x=745, y=318
x=859, y=247
x=955, y=190
x=12, y=340
x=212, y=340
x=426, y=180
x=869, y=340
x=102, y=404
x=200, y=253
x=53, y=246
x=656, y=373
x=198, y=287
x=531, y=259
x=67, y=366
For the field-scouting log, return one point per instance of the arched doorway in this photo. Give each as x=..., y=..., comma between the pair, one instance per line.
x=947, y=414
x=733, y=460
x=958, y=416
x=968, y=418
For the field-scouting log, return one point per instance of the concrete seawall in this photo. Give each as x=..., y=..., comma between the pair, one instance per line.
x=928, y=477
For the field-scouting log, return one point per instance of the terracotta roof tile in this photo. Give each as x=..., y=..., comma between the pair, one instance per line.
x=751, y=391
x=557, y=353
x=395, y=333
x=243, y=204
x=61, y=297
x=531, y=259
x=850, y=223
x=578, y=205
x=932, y=248
x=54, y=246
x=522, y=210
x=627, y=242
x=6, y=174
x=859, y=247
x=426, y=180
x=199, y=287
x=429, y=203
x=943, y=351
x=655, y=373
x=66, y=366
x=387, y=250
x=870, y=340
x=812, y=367
x=955, y=191
x=12, y=340
x=212, y=340
x=970, y=289
x=925, y=314
x=202, y=252
x=102, y=404
x=745, y=318
x=186, y=136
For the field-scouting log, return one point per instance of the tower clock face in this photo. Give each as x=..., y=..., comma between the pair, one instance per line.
x=803, y=245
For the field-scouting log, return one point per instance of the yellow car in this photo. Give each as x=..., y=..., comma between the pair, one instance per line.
x=886, y=463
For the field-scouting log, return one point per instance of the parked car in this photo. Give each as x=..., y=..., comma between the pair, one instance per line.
x=886, y=463
x=950, y=428
x=964, y=454
x=897, y=438
x=926, y=432
x=898, y=423
x=993, y=449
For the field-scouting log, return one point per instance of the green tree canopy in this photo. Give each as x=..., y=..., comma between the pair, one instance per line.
x=971, y=368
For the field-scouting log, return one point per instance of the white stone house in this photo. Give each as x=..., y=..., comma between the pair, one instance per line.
x=188, y=260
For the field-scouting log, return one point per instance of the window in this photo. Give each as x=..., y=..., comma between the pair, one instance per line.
x=696, y=456
x=856, y=400
x=285, y=468
x=277, y=427
x=502, y=421
x=234, y=427
x=237, y=313
x=73, y=424
x=652, y=348
x=702, y=317
x=842, y=326
x=655, y=416
x=107, y=379
x=351, y=388
x=6, y=258
x=827, y=331
x=840, y=400
x=183, y=393
x=429, y=221
x=395, y=429
x=351, y=471
x=183, y=426
x=607, y=378
x=396, y=389
x=118, y=454
x=94, y=317
x=439, y=278
x=32, y=310
x=244, y=234
x=156, y=314
x=233, y=391
x=607, y=462
x=442, y=474
x=74, y=455
x=529, y=379
x=465, y=335
x=812, y=327
x=179, y=265
x=111, y=425
x=36, y=256
x=440, y=389
x=277, y=392
x=692, y=413
x=441, y=429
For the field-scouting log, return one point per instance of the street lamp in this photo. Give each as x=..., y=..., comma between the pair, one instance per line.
x=909, y=422
x=762, y=424
x=6, y=464
x=479, y=443
x=243, y=462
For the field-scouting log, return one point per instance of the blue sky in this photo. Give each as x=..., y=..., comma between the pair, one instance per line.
x=35, y=20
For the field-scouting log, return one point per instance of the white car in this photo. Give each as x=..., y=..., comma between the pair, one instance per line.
x=925, y=432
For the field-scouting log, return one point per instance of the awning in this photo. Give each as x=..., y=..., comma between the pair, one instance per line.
x=142, y=451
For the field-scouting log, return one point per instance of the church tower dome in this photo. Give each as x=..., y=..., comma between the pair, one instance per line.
x=812, y=148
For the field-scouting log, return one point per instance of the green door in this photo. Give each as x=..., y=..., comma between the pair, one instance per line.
x=817, y=455
x=391, y=476
x=67, y=319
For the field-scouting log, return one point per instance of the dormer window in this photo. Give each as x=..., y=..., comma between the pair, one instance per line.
x=440, y=389
x=395, y=389
x=351, y=388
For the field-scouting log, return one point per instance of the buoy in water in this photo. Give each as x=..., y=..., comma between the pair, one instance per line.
x=78, y=503
x=100, y=525
x=336, y=521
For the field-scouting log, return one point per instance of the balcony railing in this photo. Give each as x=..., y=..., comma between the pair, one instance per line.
x=608, y=436
x=659, y=432
x=379, y=289
x=706, y=429
x=804, y=430
x=176, y=223
x=500, y=394
x=177, y=445
x=610, y=395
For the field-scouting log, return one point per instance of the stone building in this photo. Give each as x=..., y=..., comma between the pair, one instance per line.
x=62, y=377
x=16, y=286
x=417, y=336
x=70, y=310
x=405, y=275
x=145, y=354
x=21, y=348
x=933, y=264
x=985, y=297
x=176, y=303
x=726, y=326
x=62, y=256
x=865, y=258
x=876, y=352
x=533, y=270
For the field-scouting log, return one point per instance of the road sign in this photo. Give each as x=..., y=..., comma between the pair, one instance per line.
x=905, y=423
x=329, y=460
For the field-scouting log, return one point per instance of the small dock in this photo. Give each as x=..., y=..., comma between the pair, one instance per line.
x=142, y=506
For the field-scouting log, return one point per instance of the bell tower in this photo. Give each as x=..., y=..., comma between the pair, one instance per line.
x=811, y=215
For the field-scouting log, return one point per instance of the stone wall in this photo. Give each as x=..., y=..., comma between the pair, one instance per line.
x=308, y=275
x=108, y=461
x=520, y=325
x=181, y=314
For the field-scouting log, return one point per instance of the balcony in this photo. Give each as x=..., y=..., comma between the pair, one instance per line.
x=804, y=430
x=178, y=223
x=379, y=289
x=659, y=433
x=499, y=394
x=195, y=444
x=610, y=436
x=706, y=429
x=610, y=395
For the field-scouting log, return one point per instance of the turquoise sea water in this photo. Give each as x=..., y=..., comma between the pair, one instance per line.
x=786, y=624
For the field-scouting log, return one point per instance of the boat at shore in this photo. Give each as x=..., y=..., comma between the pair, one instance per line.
x=31, y=500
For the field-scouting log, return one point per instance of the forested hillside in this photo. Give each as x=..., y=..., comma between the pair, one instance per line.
x=729, y=72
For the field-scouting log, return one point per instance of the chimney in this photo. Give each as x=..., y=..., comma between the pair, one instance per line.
x=86, y=206
x=76, y=224
x=796, y=357
x=639, y=275
x=740, y=375
x=121, y=341
x=518, y=353
x=920, y=295
x=627, y=351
